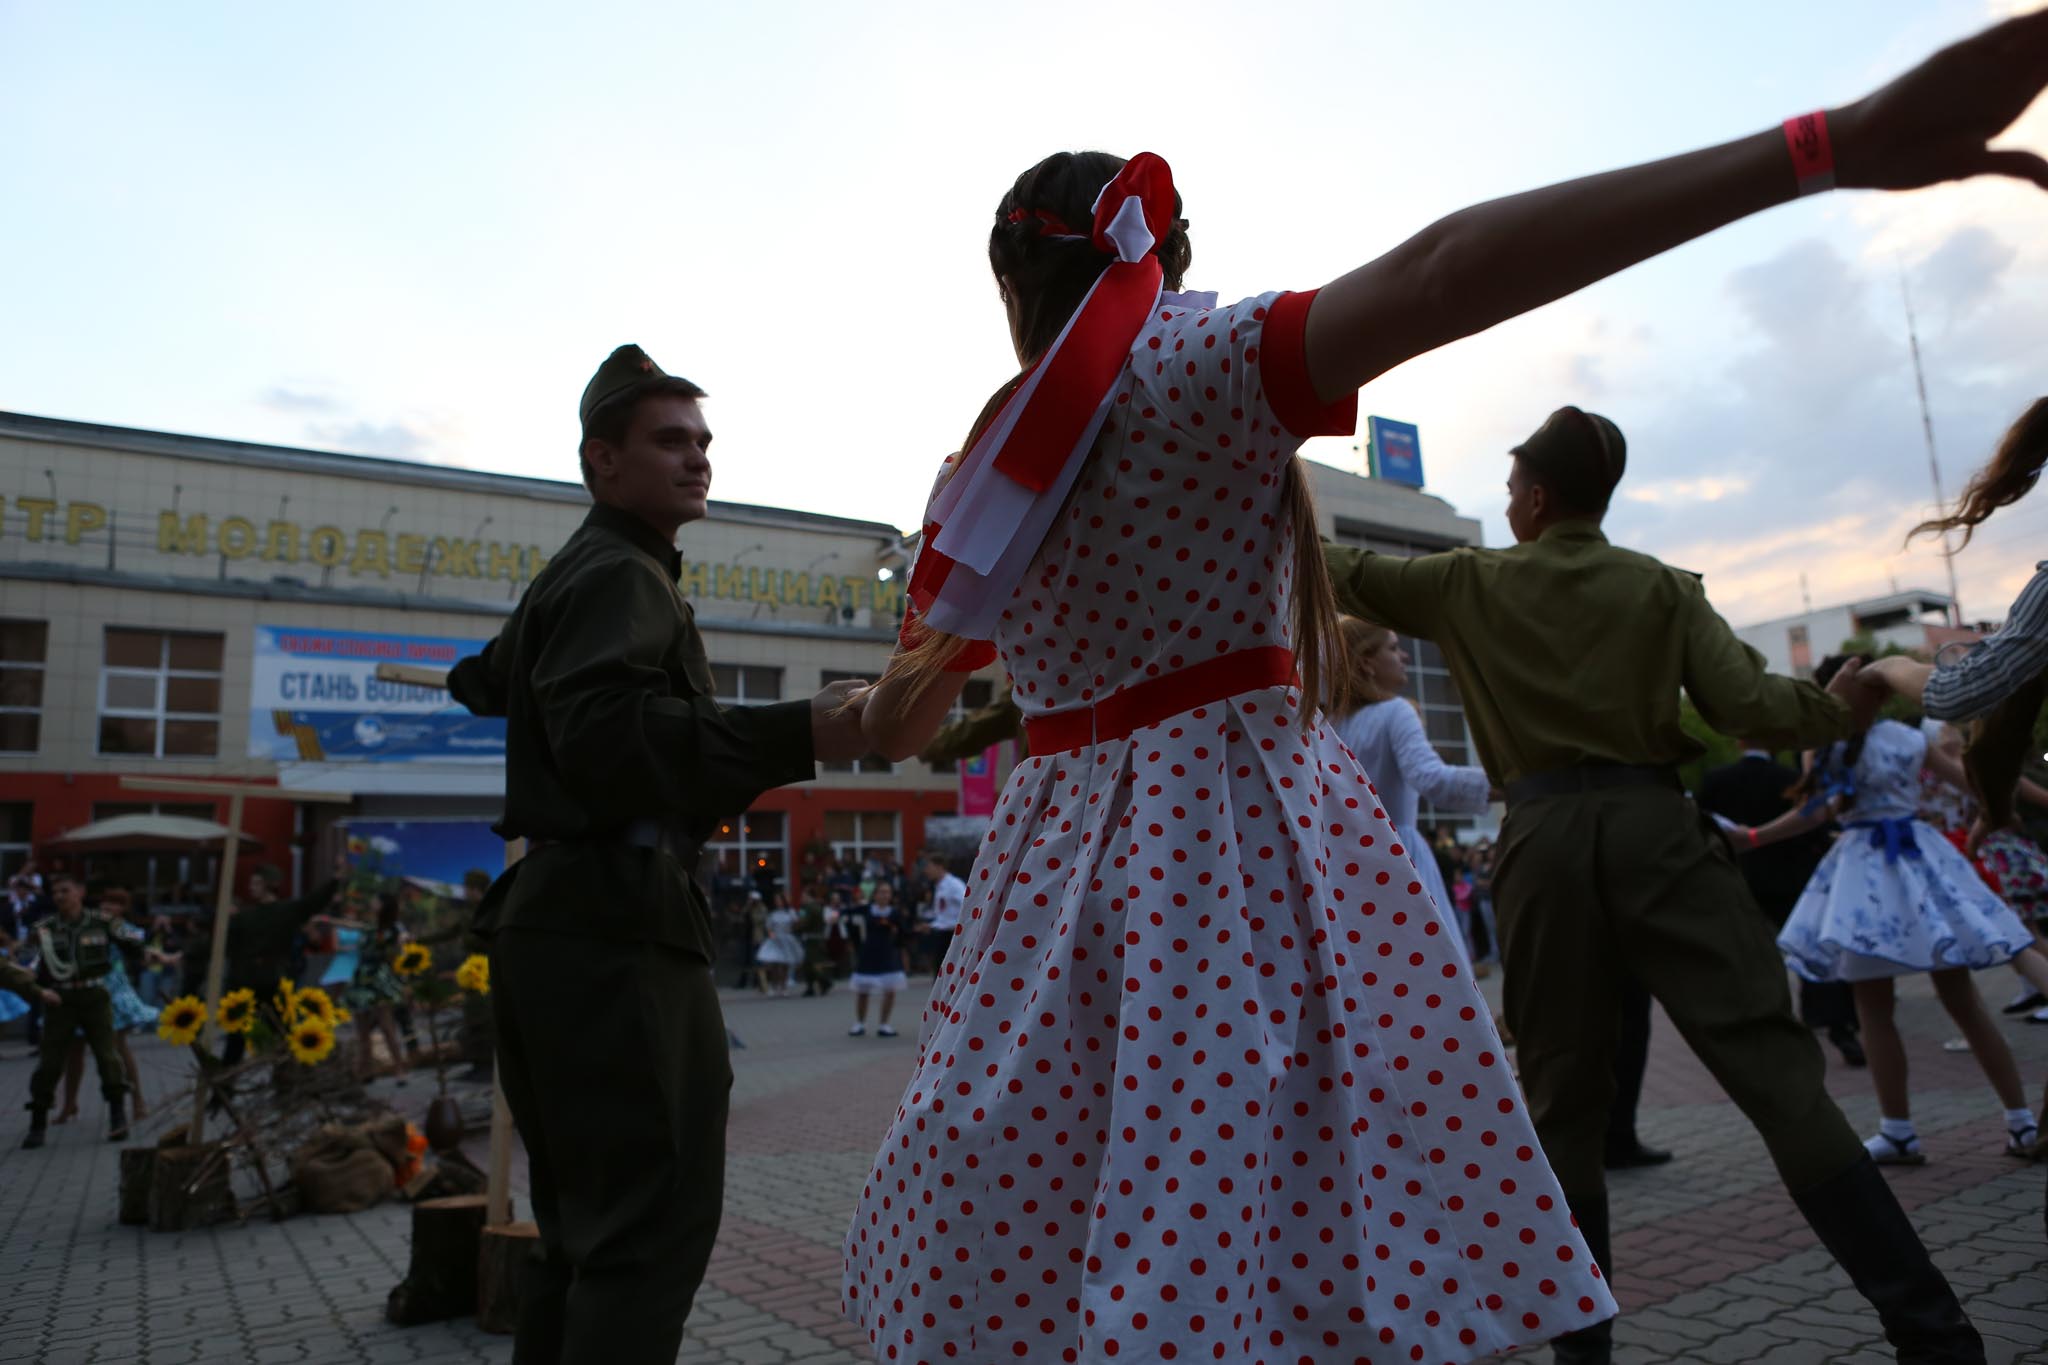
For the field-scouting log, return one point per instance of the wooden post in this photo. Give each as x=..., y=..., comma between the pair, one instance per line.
x=236, y=793
x=498, y=1192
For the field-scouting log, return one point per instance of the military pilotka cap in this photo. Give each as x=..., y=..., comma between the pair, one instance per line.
x=1578, y=455
x=622, y=369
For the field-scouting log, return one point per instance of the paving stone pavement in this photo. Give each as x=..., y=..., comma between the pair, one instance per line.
x=1714, y=1263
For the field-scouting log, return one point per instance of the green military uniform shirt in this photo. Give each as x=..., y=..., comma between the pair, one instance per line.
x=610, y=720
x=1567, y=650
x=77, y=952
x=20, y=980
x=972, y=734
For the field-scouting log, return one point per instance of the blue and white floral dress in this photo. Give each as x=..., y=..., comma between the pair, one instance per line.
x=1893, y=895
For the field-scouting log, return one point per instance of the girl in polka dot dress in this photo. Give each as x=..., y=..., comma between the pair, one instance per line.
x=1201, y=1078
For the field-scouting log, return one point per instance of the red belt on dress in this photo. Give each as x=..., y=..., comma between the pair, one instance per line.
x=1157, y=699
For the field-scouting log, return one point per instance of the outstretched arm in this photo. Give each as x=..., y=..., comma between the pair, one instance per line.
x=1491, y=262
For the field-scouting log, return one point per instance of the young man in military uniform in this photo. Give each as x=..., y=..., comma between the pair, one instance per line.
x=1570, y=654
x=76, y=949
x=619, y=763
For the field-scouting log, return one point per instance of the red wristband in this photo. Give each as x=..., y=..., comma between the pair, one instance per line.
x=1751, y=832
x=1813, y=155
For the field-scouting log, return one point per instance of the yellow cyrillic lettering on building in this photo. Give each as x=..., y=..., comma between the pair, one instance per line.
x=889, y=599
x=728, y=580
x=81, y=519
x=694, y=580
x=327, y=546
x=39, y=510
x=828, y=591
x=455, y=558
x=372, y=554
x=535, y=561
x=796, y=588
x=505, y=562
x=764, y=586
x=412, y=552
x=282, y=542
x=237, y=538
x=173, y=539
x=852, y=587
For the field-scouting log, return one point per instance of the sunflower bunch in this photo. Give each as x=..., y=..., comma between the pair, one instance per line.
x=237, y=1012
x=474, y=975
x=286, y=1001
x=181, y=1020
x=310, y=1039
x=315, y=1003
x=413, y=959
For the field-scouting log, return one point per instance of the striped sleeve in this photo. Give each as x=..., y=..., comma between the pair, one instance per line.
x=1995, y=669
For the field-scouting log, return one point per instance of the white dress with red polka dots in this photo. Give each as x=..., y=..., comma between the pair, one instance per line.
x=1201, y=1078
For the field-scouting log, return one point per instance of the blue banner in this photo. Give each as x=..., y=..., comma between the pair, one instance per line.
x=1396, y=450
x=314, y=697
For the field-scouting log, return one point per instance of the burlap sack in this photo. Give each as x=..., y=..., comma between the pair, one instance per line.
x=341, y=1170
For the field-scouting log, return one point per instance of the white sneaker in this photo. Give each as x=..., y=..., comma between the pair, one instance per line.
x=885, y=1031
x=857, y=1030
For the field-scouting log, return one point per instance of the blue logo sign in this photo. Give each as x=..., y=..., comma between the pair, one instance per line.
x=1395, y=450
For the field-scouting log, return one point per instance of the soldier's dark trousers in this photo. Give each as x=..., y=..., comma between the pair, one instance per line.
x=92, y=1013
x=1597, y=885
x=613, y=1058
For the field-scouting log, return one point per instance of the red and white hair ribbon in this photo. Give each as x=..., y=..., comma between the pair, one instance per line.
x=985, y=526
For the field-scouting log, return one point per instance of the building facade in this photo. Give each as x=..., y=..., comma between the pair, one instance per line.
x=177, y=606
x=1916, y=620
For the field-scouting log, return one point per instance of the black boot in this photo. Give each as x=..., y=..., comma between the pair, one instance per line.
x=1859, y=1220
x=1848, y=1044
x=1590, y=1345
x=117, y=1112
x=38, y=1129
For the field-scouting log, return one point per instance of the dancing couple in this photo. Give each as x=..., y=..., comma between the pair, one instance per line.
x=1202, y=1077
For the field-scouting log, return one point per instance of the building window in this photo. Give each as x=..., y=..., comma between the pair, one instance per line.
x=873, y=763
x=748, y=853
x=745, y=684
x=862, y=834
x=160, y=694
x=24, y=646
x=976, y=694
x=15, y=819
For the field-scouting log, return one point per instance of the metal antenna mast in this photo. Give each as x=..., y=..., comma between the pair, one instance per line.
x=1948, y=553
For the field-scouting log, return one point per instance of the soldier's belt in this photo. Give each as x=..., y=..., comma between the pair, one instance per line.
x=1592, y=777
x=648, y=833
x=98, y=983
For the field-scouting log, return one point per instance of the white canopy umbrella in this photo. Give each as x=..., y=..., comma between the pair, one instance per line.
x=148, y=834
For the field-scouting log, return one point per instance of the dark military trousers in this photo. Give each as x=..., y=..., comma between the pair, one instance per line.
x=90, y=1011
x=1597, y=886
x=613, y=1058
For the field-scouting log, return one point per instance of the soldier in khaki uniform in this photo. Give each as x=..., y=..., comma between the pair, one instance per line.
x=1570, y=654
x=619, y=763
x=76, y=948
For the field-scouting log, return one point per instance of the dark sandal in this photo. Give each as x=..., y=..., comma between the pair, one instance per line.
x=1896, y=1153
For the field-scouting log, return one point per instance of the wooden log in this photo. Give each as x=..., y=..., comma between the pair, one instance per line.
x=138, y=1174
x=501, y=1273
x=189, y=1189
x=440, y=1283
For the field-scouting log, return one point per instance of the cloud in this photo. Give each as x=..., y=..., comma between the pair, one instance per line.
x=1794, y=472
x=1706, y=489
x=401, y=440
x=280, y=399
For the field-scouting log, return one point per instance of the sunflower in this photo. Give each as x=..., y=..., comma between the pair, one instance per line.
x=286, y=1000
x=413, y=959
x=474, y=975
x=181, y=1020
x=342, y=1015
x=315, y=1003
x=238, y=1011
x=310, y=1040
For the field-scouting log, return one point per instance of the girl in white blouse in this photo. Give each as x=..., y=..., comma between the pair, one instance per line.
x=1385, y=734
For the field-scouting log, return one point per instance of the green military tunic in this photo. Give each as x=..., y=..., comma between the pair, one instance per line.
x=1568, y=650
x=77, y=953
x=972, y=734
x=610, y=722
x=20, y=980
x=1570, y=655
x=610, y=1041
x=260, y=938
